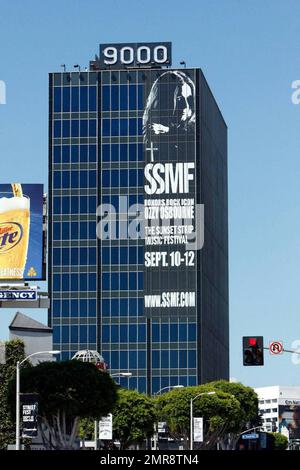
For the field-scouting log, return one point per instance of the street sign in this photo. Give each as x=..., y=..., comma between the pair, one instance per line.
x=105, y=428
x=250, y=436
x=198, y=429
x=276, y=347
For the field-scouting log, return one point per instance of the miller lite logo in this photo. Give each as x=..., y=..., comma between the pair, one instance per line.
x=11, y=234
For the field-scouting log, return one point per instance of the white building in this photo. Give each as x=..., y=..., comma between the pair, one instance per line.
x=280, y=409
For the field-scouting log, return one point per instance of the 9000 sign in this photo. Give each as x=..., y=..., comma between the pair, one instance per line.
x=136, y=54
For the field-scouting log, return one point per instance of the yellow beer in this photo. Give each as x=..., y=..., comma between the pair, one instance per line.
x=14, y=234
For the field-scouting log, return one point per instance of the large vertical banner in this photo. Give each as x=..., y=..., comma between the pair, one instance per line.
x=169, y=131
x=289, y=418
x=21, y=232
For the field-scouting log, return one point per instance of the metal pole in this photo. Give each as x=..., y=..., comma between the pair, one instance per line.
x=18, y=406
x=191, y=425
x=95, y=432
x=155, y=436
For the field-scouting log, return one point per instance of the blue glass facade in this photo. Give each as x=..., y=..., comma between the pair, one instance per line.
x=97, y=285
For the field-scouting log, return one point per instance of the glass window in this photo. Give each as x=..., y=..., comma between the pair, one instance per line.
x=182, y=332
x=74, y=153
x=123, y=361
x=115, y=178
x=56, y=154
x=114, y=152
x=155, y=359
x=123, y=152
x=65, y=334
x=105, y=98
x=75, y=99
x=75, y=128
x=105, y=127
x=74, y=181
x=83, y=153
x=83, y=333
x=114, y=97
x=83, y=128
x=132, y=97
x=155, y=332
x=165, y=359
x=83, y=98
x=66, y=99
x=123, y=97
x=57, y=129
x=115, y=127
x=57, y=99
x=92, y=98
x=123, y=333
x=123, y=307
x=142, y=359
x=173, y=359
x=132, y=152
x=123, y=127
x=92, y=153
x=124, y=178
x=92, y=127
x=192, y=358
x=132, y=360
x=105, y=152
x=105, y=334
x=123, y=255
x=124, y=281
x=66, y=128
x=132, y=127
x=192, y=332
x=114, y=360
x=115, y=333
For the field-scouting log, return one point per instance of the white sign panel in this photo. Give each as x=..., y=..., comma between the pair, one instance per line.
x=105, y=428
x=198, y=429
x=276, y=347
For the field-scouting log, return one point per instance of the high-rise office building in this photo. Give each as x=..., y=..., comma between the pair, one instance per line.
x=143, y=281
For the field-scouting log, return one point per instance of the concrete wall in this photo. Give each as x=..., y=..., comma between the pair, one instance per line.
x=34, y=342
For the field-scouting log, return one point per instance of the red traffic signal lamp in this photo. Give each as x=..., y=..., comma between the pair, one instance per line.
x=253, y=350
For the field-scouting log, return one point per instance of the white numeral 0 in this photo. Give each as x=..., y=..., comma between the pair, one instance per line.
x=164, y=57
x=147, y=52
x=123, y=51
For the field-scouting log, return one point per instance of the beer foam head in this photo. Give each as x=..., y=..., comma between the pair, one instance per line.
x=13, y=203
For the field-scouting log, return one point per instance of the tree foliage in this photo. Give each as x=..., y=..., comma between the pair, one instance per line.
x=68, y=391
x=226, y=413
x=134, y=417
x=14, y=352
x=221, y=412
x=280, y=442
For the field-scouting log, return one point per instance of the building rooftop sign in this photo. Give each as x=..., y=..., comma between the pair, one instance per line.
x=133, y=55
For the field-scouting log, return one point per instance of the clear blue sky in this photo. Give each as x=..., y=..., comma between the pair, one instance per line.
x=250, y=54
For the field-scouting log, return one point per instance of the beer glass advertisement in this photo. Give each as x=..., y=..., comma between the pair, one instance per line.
x=289, y=418
x=169, y=123
x=21, y=231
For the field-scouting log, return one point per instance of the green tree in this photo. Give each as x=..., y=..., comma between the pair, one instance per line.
x=221, y=413
x=14, y=351
x=134, y=417
x=68, y=391
x=249, y=415
x=281, y=442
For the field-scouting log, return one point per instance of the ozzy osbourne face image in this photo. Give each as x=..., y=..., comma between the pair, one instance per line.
x=169, y=114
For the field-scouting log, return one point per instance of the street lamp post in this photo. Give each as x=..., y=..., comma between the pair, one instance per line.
x=170, y=387
x=191, y=416
x=18, y=391
x=115, y=374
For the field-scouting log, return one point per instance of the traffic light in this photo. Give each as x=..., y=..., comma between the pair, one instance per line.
x=253, y=350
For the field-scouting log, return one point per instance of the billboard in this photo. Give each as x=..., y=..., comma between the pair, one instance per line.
x=289, y=418
x=169, y=134
x=21, y=232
